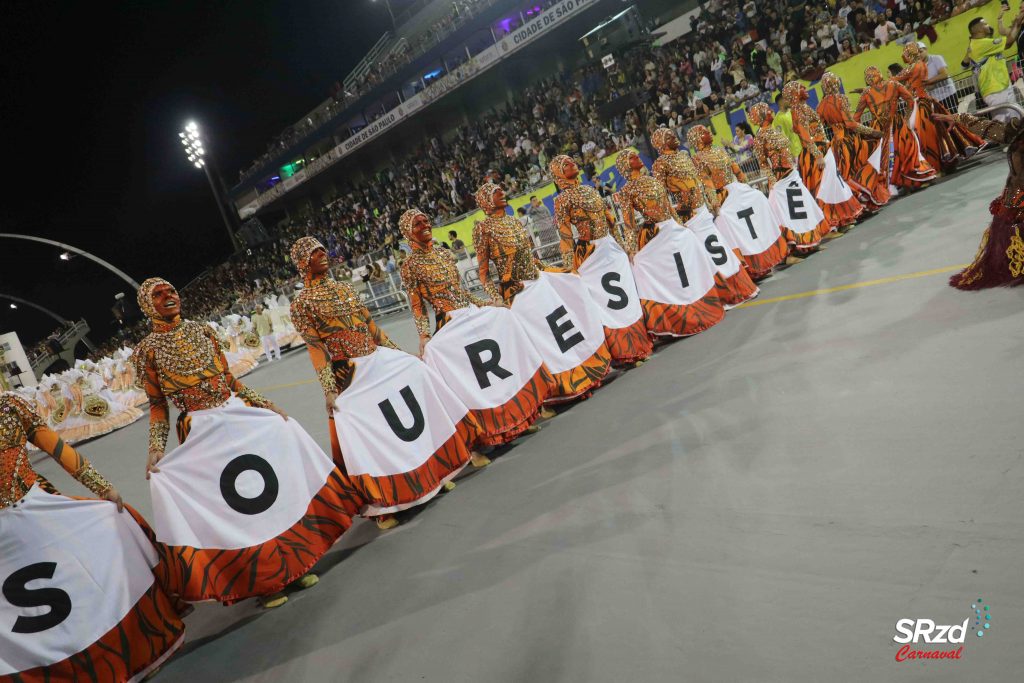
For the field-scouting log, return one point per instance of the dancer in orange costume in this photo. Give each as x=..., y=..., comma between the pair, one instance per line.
x=580, y=207
x=771, y=149
x=850, y=145
x=696, y=196
x=901, y=163
x=813, y=168
x=942, y=144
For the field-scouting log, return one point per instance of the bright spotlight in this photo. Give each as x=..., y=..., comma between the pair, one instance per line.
x=65, y=256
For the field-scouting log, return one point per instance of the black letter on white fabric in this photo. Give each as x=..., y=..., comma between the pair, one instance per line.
x=683, y=280
x=492, y=365
x=19, y=595
x=564, y=343
x=401, y=431
x=608, y=283
x=794, y=199
x=238, y=503
x=716, y=250
x=745, y=214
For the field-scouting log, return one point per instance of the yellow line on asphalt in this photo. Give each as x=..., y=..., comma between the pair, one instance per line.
x=855, y=285
x=756, y=302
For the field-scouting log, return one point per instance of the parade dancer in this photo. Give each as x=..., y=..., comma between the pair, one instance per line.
x=218, y=543
x=796, y=209
x=555, y=308
x=817, y=164
x=597, y=252
x=106, y=612
x=366, y=381
x=677, y=281
x=1000, y=258
x=478, y=346
x=744, y=214
x=850, y=145
x=942, y=145
x=898, y=157
x=675, y=170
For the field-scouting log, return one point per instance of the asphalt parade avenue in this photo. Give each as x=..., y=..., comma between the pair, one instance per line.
x=761, y=502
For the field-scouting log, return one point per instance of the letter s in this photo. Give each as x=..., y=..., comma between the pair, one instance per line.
x=18, y=594
x=903, y=627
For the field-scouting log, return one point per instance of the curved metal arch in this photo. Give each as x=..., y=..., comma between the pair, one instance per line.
x=112, y=268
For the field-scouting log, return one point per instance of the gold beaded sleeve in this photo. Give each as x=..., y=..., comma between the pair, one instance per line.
x=566, y=243
x=159, y=415
x=483, y=260
x=419, y=310
x=51, y=443
x=319, y=355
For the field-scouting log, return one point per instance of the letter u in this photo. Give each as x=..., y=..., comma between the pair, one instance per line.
x=401, y=431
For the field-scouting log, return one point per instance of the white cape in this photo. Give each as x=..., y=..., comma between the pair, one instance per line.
x=243, y=477
x=673, y=268
x=99, y=559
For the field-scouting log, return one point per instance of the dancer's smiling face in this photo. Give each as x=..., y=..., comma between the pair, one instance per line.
x=318, y=261
x=166, y=301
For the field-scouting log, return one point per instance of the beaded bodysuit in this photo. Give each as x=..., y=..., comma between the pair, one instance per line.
x=431, y=276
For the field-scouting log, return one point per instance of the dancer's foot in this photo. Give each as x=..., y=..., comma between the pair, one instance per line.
x=448, y=486
x=273, y=601
x=532, y=429
x=546, y=414
x=306, y=581
x=835, y=234
x=792, y=260
x=385, y=522
x=479, y=460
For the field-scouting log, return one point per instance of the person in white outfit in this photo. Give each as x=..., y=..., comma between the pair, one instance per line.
x=265, y=329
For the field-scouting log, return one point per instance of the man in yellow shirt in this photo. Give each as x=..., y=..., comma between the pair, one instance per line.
x=264, y=325
x=784, y=122
x=985, y=56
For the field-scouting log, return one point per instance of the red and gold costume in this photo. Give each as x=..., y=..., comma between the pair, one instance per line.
x=501, y=239
x=942, y=145
x=152, y=628
x=644, y=194
x=675, y=170
x=713, y=161
x=431, y=277
x=902, y=163
x=182, y=361
x=1000, y=258
x=771, y=149
x=338, y=327
x=808, y=126
x=852, y=144
x=580, y=207
x=716, y=164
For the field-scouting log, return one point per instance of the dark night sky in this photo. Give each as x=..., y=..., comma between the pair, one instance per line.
x=93, y=101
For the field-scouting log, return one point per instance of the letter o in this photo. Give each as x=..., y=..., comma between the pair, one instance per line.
x=238, y=503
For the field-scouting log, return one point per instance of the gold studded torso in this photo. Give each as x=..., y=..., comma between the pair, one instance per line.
x=585, y=209
x=715, y=162
x=333, y=312
x=17, y=423
x=435, y=275
x=772, y=151
x=503, y=240
x=677, y=172
x=648, y=196
x=188, y=365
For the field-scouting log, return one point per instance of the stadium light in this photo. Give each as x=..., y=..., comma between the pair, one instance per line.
x=65, y=256
x=195, y=150
x=14, y=306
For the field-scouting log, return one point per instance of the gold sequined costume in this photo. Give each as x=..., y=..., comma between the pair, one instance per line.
x=501, y=239
x=713, y=161
x=182, y=360
x=337, y=327
x=580, y=208
x=771, y=149
x=431, y=277
x=647, y=197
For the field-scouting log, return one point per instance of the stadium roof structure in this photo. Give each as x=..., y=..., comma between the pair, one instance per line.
x=521, y=22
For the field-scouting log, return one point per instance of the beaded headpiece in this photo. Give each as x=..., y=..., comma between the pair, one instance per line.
x=662, y=137
x=872, y=75
x=911, y=53
x=405, y=222
x=695, y=138
x=302, y=250
x=622, y=163
x=485, y=196
x=759, y=113
x=830, y=83
x=794, y=93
